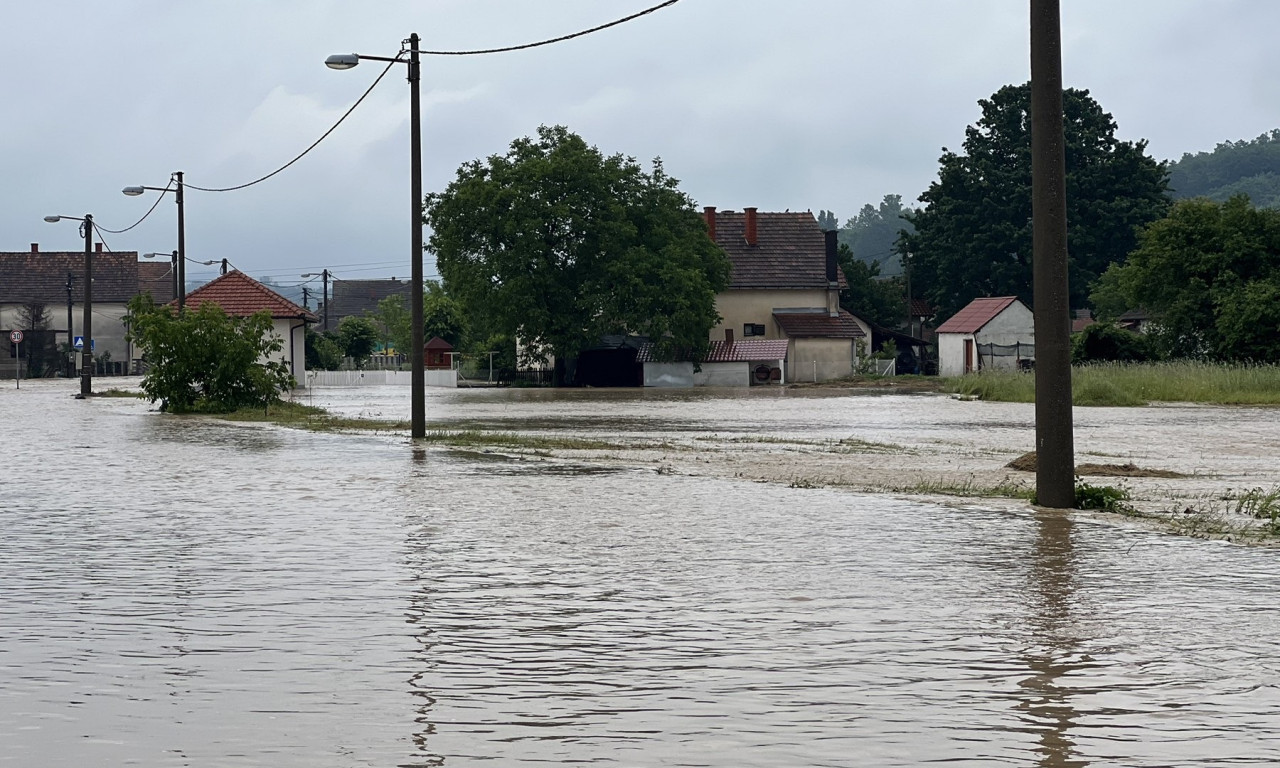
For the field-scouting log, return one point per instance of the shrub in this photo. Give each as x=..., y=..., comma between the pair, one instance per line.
x=206, y=361
x=1107, y=342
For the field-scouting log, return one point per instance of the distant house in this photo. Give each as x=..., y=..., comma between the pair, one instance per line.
x=785, y=285
x=241, y=296
x=52, y=283
x=1136, y=320
x=1081, y=319
x=991, y=332
x=356, y=298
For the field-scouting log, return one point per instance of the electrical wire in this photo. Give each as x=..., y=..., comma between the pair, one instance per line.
x=314, y=144
x=398, y=58
x=560, y=39
x=159, y=197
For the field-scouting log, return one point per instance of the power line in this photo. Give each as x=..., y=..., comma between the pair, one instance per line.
x=560, y=39
x=159, y=197
x=314, y=144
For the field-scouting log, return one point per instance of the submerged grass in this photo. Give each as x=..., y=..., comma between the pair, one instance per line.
x=846, y=445
x=1131, y=384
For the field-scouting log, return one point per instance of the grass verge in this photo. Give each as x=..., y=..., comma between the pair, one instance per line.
x=1130, y=384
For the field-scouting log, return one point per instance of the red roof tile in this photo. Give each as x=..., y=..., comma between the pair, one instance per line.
x=921, y=308
x=240, y=296
x=156, y=279
x=790, y=251
x=819, y=325
x=976, y=314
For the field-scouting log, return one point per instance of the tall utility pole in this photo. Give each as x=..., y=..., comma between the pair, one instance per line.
x=71, y=352
x=418, y=377
x=86, y=356
x=306, y=296
x=1055, y=451
x=324, y=274
x=182, y=243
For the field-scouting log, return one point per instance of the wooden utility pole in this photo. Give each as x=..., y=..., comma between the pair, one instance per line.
x=1055, y=451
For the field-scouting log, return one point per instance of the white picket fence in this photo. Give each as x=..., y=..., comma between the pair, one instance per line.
x=378, y=378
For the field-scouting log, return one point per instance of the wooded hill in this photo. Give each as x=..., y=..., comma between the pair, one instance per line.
x=1232, y=168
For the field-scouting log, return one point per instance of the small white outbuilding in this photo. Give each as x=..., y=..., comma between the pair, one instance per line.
x=990, y=332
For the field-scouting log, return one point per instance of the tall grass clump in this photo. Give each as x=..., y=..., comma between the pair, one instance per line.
x=1131, y=384
x=1188, y=381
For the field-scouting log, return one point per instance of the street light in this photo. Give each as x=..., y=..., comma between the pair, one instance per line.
x=182, y=229
x=173, y=270
x=418, y=416
x=324, y=273
x=86, y=355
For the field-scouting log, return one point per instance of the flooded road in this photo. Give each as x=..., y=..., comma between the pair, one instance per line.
x=182, y=592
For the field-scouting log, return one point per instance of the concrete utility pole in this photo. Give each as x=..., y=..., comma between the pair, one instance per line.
x=1055, y=451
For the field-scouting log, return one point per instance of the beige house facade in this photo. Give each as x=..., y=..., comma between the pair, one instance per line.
x=785, y=285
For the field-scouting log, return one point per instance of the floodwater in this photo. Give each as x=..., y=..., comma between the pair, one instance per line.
x=183, y=592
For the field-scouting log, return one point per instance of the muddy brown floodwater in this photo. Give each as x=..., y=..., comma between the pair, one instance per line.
x=184, y=592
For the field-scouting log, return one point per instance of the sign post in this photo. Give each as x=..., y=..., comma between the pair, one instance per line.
x=16, y=338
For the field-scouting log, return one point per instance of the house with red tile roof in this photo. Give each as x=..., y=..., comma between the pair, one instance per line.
x=785, y=284
x=989, y=332
x=241, y=296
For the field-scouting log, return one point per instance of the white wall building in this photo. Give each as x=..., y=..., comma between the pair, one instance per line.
x=990, y=332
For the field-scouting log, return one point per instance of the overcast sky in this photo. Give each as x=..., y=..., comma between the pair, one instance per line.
x=780, y=104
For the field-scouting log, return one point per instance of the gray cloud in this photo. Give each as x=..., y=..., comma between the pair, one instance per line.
x=802, y=105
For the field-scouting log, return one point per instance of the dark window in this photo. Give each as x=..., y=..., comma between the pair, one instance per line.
x=753, y=329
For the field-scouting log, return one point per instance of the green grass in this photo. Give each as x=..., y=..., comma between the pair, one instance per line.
x=1131, y=384
x=117, y=392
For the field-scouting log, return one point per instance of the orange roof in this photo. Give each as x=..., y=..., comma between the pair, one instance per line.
x=978, y=313
x=240, y=296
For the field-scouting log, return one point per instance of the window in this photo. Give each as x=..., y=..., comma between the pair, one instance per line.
x=753, y=329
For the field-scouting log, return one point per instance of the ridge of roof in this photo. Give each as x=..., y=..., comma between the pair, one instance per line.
x=976, y=314
x=240, y=296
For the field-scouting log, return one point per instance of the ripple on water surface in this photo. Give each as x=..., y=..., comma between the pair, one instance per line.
x=250, y=597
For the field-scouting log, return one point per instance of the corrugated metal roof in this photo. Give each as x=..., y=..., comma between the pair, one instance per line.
x=240, y=296
x=747, y=351
x=976, y=314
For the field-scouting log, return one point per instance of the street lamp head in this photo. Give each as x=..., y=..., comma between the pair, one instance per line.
x=309, y=274
x=133, y=191
x=342, y=61
x=53, y=219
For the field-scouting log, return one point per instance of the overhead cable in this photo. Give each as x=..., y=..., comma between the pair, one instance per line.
x=308, y=149
x=560, y=39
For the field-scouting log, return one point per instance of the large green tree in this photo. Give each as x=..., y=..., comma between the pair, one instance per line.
x=1209, y=277
x=556, y=243
x=973, y=236
x=205, y=360
x=442, y=316
x=869, y=296
x=872, y=234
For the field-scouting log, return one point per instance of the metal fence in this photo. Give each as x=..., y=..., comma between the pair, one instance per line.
x=1016, y=355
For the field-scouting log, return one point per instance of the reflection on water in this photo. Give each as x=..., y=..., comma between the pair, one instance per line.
x=1054, y=652
x=201, y=593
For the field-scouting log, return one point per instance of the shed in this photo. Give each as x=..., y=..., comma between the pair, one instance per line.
x=990, y=332
x=437, y=354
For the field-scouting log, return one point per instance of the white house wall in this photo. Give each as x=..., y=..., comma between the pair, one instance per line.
x=1015, y=325
x=951, y=354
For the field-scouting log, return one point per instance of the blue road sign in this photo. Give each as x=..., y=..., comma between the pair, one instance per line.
x=78, y=343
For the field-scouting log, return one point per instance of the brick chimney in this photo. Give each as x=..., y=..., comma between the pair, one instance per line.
x=709, y=215
x=750, y=233
x=833, y=274
x=35, y=247
x=98, y=248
